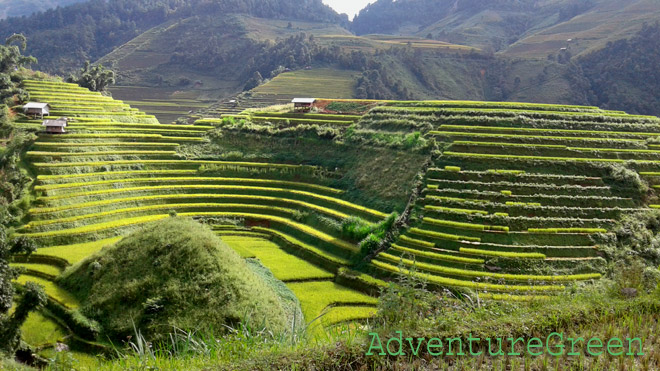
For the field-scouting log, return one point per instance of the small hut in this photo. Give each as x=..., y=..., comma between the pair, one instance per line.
x=36, y=109
x=303, y=104
x=55, y=126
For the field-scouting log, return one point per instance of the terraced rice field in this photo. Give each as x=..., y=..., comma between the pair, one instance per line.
x=322, y=300
x=117, y=169
x=517, y=182
x=516, y=205
x=317, y=83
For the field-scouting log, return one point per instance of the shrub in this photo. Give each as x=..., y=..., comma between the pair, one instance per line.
x=627, y=180
x=355, y=228
x=369, y=244
x=184, y=275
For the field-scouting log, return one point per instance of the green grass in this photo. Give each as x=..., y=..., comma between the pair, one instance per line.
x=100, y=153
x=341, y=314
x=567, y=230
x=128, y=222
x=200, y=128
x=505, y=105
x=42, y=268
x=443, y=236
x=304, y=246
x=314, y=116
x=170, y=162
x=270, y=182
x=53, y=290
x=240, y=244
x=469, y=226
x=330, y=201
x=123, y=136
x=481, y=274
x=257, y=208
x=39, y=330
x=285, y=267
x=155, y=129
x=502, y=254
x=316, y=296
x=184, y=270
x=77, y=252
x=104, y=144
x=43, y=178
x=531, y=137
x=97, y=227
x=315, y=83
x=544, y=158
x=436, y=256
x=281, y=120
x=543, y=131
x=512, y=112
x=451, y=282
x=453, y=210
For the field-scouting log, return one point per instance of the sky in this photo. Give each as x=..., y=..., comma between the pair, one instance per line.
x=350, y=7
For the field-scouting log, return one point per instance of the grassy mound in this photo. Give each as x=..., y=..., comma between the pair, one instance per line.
x=174, y=273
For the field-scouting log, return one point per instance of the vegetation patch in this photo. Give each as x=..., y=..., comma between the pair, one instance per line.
x=173, y=274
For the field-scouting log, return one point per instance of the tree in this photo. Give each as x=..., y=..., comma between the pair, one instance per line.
x=32, y=298
x=12, y=184
x=255, y=81
x=94, y=78
x=11, y=59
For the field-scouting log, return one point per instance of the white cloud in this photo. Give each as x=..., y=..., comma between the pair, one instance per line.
x=350, y=7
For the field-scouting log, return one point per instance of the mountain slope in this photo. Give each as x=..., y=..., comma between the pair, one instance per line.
x=63, y=38
x=528, y=28
x=17, y=8
x=605, y=22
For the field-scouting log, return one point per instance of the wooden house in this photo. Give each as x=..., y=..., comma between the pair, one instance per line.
x=37, y=109
x=303, y=104
x=55, y=126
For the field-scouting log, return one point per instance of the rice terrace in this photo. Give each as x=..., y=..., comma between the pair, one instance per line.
x=238, y=186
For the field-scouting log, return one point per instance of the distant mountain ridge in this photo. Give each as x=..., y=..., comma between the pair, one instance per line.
x=64, y=38
x=546, y=51
x=18, y=8
x=526, y=28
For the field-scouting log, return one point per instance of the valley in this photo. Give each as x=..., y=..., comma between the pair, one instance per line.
x=241, y=185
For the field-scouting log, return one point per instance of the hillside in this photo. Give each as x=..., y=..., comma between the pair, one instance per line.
x=17, y=8
x=90, y=30
x=506, y=202
x=530, y=29
x=414, y=49
x=185, y=276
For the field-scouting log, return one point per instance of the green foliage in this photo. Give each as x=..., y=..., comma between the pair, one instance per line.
x=405, y=303
x=94, y=78
x=32, y=298
x=628, y=180
x=345, y=107
x=623, y=74
x=284, y=266
x=185, y=276
x=355, y=228
x=637, y=235
x=100, y=28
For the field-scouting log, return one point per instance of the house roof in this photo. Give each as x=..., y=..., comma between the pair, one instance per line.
x=36, y=105
x=304, y=100
x=59, y=122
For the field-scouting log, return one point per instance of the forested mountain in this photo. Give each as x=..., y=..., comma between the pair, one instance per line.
x=525, y=28
x=63, y=38
x=552, y=51
x=17, y=8
x=625, y=74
